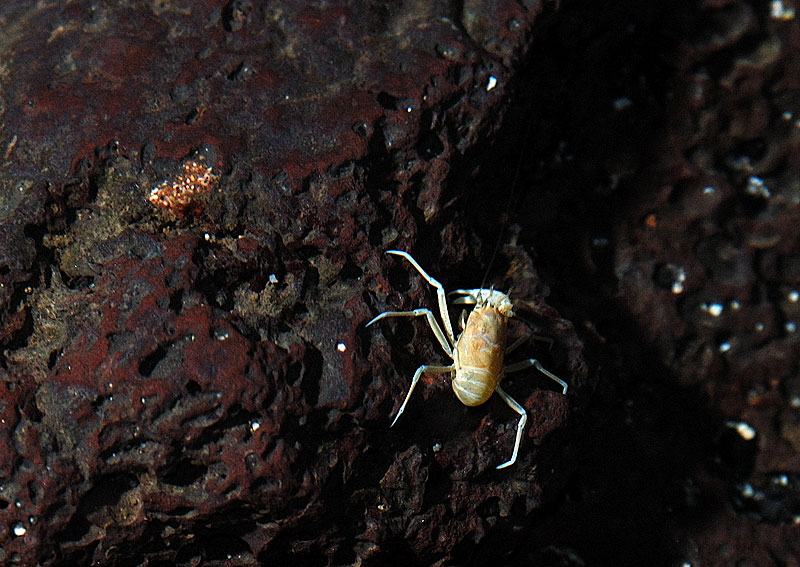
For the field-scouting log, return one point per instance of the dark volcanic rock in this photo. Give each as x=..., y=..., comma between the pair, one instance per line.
x=194, y=202
x=673, y=221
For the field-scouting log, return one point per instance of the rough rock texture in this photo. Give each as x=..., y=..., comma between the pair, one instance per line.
x=668, y=231
x=194, y=204
x=195, y=200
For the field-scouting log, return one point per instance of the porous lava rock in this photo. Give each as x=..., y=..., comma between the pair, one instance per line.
x=195, y=201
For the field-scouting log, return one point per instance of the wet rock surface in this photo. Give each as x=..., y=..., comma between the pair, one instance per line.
x=194, y=204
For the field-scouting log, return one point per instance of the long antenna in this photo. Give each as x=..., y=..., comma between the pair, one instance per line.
x=515, y=180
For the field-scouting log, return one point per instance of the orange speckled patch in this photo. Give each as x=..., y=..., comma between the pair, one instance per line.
x=195, y=179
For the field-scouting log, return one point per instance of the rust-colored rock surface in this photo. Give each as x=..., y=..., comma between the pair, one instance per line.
x=195, y=201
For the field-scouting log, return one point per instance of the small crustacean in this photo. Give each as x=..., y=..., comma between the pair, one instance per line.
x=479, y=350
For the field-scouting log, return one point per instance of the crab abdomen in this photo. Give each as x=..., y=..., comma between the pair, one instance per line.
x=479, y=356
